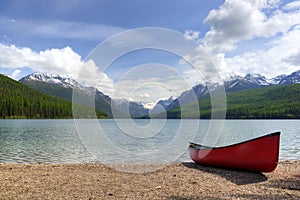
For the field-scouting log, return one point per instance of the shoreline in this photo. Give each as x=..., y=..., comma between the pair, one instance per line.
x=175, y=181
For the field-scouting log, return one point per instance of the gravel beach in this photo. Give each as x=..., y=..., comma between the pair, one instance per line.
x=175, y=181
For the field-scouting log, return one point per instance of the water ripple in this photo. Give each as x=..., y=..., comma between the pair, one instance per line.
x=56, y=141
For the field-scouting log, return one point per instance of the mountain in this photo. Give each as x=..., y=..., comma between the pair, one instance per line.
x=20, y=101
x=273, y=102
x=293, y=78
x=257, y=81
x=55, y=79
x=188, y=96
x=250, y=81
x=276, y=80
x=164, y=103
x=124, y=106
x=62, y=87
x=234, y=84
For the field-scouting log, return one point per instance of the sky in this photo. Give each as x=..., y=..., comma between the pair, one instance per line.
x=239, y=36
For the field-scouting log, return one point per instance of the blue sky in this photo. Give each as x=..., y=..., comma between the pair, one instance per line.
x=241, y=36
x=112, y=15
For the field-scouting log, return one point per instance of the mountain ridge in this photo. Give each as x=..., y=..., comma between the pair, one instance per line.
x=274, y=102
x=62, y=86
x=234, y=84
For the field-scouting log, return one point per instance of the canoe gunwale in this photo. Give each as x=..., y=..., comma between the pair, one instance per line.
x=203, y=147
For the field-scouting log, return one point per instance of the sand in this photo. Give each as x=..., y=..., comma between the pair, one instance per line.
x=176, y=181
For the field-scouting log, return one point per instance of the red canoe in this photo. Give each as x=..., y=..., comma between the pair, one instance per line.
x=259, y=154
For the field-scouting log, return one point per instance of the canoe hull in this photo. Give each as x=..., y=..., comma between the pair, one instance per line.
x=259, y=154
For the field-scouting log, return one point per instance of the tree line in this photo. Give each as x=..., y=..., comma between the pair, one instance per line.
x=20, y=101
x=273, y=102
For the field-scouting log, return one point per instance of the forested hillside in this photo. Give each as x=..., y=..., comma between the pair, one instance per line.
x=20, y=101
x=274, y=102
x=67, y=92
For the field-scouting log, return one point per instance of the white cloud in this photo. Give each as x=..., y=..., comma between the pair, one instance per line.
x=147, y=83
x=204, y=66
x=292, y=5
x=150, y=82
x=60, y=29
x=277, y=26
x=62, y=61
x=151, y=89
x=293, y=58
x=16, y=73
x=90, y=75
x=238, y=20
x=232, y=22
x=191, y=35
x=281, y=58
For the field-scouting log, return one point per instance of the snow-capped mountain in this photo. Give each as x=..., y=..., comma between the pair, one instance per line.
x=56, y=79
x=236, y=83
x=166, y=102
x=191, y=95
x=124, y=106
x=162, y=104
x=62, y=87
x=293, y=78
x=276, y=80
x=250, y=81
x=256, y=79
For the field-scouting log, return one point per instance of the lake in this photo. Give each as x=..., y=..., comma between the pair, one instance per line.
x=113, y=141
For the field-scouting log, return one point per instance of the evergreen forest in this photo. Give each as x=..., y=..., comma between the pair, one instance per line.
x=18, y=101
x=273, y=102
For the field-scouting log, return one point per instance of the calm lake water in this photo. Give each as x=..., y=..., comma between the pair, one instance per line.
x=89, y=141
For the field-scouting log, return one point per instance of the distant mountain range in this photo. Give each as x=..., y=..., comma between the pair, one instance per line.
x=273, y=102
x=235, y=84
x=62, y=87
x=250, y=81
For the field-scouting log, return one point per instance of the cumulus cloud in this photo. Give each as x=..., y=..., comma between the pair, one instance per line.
x=150, y=82
x=138, y=85
x=204, y=67
x=274, y=23
x=62, y=61
x=282, y=57
x=237, y=20
x=90, y=75
x=232, y=22
x=147, y=83
x=151, y=89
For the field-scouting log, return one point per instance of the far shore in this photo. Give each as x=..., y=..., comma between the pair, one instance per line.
x=179, y=181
